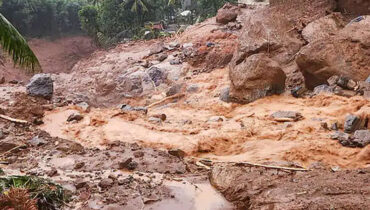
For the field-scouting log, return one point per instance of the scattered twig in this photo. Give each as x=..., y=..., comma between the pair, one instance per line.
x=13, y=119
x=261, y=165
x=166, y=99
x=11, y=150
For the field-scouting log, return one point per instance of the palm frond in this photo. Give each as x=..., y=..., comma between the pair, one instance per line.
x=16, y=46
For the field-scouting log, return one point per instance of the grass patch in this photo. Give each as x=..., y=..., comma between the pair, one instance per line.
x=45, y=193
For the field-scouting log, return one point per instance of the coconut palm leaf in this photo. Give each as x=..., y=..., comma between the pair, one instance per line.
x=16, y=46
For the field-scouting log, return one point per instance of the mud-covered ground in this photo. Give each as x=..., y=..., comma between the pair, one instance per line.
x=184, y=148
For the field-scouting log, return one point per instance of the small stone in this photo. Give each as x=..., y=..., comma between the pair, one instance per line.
x=334, y=126
x=217, y=119
x=37, y=141
x=187, y=45
x=351, y=84
x=75, y=117
x=333, y=80
x=79, y=165
x=340, y=136
x=155, y=120
x=225, y=95
x=286, y=116
x=324, y=125
x=346, y=93
x=128, y=108
x=52, y=172
x=298, y=91
x=174, y=44
x=352, y=123
x=37, y=121
x=210, y=44
x=157, y=48
x=342, y=82
x=14, y=82
x=125, y=181
x=163, y=117
x=83, y=106
x=139, y=154
x=174, y=89
x=80, y=183
x=175, y=61
x=361, y=138
x=368, y=79
x=123, y=165
x=323, y=89
x=106, y=183
x=128, y=164
x=177, y=153
x=162, y=57
x=192, y=88
x=132, y=165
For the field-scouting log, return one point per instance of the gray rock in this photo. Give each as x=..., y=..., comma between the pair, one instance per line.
x=294, y=116
x=155, y=120
x=361, y=138
x=41, y=85
x=333, y=80
x=323, y=89
x=342, y=82
x=334, y=126
x=217, y=119
x=162, y=57
x=225, y=95
x=368, y=79
x=174, y=44
x=340, y=136
x=37, y=141
x=177, y=153
x=157, y=48
x=298, y=91
x=84, y=106
x=175, y=61
x=192, y=88
x=157, y=75
x=352, y=123
x=187, y=45
x=128, y=108
x=75, y=117
x=175, y=89
x=128, y=164
x=106, y=183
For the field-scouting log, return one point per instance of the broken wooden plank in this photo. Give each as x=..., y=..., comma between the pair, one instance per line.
x=13, y=119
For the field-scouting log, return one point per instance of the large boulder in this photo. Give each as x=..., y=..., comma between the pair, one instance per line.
x=323, y=27
x=226, y=14
x=275, y=31
x=346, y=54
x=256, y=77
x=41, y=85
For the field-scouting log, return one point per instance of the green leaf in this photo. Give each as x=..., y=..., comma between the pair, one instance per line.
x=16, y=47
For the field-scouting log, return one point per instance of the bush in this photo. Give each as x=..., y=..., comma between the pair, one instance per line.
x=37, y=18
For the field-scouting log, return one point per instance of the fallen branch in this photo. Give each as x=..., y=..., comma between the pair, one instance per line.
x=12, y=149
x=13, y=119
x=260, y=165
x=166, y=99
x=270, y=166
